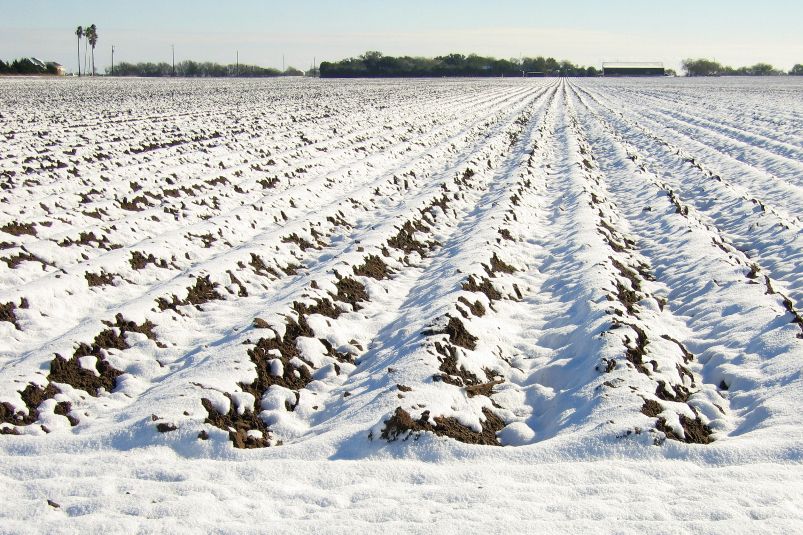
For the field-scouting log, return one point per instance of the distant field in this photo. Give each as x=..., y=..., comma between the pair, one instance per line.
x=534, y=303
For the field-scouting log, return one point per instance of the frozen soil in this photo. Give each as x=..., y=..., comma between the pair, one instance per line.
x=496, y=305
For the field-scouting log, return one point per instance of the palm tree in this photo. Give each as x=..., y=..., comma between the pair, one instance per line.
x=86, y=50
x=92, y=36
x=79, y=32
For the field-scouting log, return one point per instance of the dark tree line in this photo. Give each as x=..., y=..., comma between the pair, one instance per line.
x=26, y=66
x=707, y=67
x=197, y=69
x=376, y=65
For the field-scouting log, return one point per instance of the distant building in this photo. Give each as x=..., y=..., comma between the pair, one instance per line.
x=50, y=66
x=56, y=68
x=39, y=63
x=654, y=68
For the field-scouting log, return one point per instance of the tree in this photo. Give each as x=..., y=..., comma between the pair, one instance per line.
x=86, y=51
x=797, y=70
x=702, y=67
x=79, y=32
x=763, y=69
x=92, y=36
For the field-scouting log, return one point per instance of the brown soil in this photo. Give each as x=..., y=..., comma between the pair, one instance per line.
x=70, y=372
x=498, y=266
x=241, y=290
x=125, y=326
x=679, y=207
x=89, y=239
x=350, y=291
x=202, y=292
x=797, y=318
x=291, y=269
x=140, y=261
x=302, y=243
x=442, y=202
x=458, y=335
x=259, y=323
x=505, y=233
x=667, y=392
x=207, y=239
x=627, y=297
x=342, y=357
x=402, y=425
x=63, y=408
x=651, y=408
x=465, y=179
x=15, y=260
x=260, y=268
x=99, y=279
x=476, y=308
x=373, y=267
x=292, y=377
x=629, y=274
x=18, y=229
x=695, y=430
x=405, y=241
x=483, y=389
x=7, y=314
x=32, y=396
x=635, y=355
x=484, y=286
x=268, y=183
x=322, y=306
x=451, y=373
x=133, y=205
x=238, y=426
x=97, y=214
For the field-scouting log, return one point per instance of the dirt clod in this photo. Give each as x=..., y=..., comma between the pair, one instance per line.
x=202, y=292
x=401, y=425
x=99, y=279
x=476, y=308
x=483, y=286
x=18, y=229
x=373, y=267
x=238, y=426
x=351, y=291
x=7, y=314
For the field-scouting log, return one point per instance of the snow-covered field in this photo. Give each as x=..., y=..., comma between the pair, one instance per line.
x=336, y=306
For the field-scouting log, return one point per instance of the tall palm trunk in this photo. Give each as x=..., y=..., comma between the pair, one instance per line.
x=79, y=32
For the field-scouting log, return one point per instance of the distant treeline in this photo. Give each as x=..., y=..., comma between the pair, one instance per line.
x=26, y=66
x=196, y=69
x=707, y=67
x=377, y=65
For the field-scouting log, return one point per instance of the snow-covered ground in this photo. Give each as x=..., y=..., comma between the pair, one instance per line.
x=327, y=306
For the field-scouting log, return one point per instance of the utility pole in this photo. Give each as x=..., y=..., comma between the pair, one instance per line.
x=112, y=60
x=173, y=47
x=314, y=66
x=283, y=63
x=237, y=73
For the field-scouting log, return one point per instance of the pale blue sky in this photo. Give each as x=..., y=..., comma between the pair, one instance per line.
x=736, y=32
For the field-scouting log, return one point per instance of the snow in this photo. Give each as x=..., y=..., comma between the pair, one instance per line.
x=513, y=305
